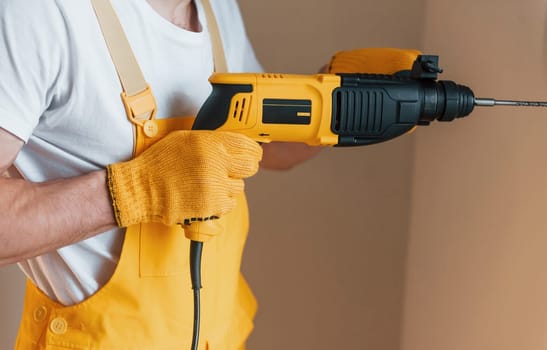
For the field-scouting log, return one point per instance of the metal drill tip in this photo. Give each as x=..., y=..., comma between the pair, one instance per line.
x=490, y=102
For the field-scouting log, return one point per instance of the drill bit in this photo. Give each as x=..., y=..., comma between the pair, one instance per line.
x=490, y=102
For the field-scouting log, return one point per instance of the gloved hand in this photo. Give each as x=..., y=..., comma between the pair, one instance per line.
x=372, y=60
x=186, y=175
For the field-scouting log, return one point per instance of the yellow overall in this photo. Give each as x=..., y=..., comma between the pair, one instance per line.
x=148, y=302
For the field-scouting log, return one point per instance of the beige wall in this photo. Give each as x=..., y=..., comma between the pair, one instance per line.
x=327, y=248
x=11, y=302
x=328, y=240
x=476, y=273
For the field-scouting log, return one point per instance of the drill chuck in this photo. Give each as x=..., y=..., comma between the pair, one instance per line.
x=447, y=101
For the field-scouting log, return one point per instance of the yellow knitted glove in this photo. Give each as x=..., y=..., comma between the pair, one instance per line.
x=184, y=176
x=373, y=60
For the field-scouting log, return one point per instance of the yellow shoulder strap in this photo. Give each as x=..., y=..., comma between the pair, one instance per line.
x=137, y=96
x=219, y=58
x=127, y=67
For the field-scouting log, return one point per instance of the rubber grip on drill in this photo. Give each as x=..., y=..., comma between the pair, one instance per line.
x=202, y=231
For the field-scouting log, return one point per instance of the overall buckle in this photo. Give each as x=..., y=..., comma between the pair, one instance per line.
x=141, y=110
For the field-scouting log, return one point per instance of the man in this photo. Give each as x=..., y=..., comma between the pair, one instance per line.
x=93, y=283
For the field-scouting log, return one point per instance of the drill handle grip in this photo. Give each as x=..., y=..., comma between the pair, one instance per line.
x=214, y=112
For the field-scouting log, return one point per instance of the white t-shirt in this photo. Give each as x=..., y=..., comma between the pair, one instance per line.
x=59, y=92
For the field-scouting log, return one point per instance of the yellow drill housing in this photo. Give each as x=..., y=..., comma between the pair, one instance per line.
x=272, y=107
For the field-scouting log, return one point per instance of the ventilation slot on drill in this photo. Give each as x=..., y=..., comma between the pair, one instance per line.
x=240, y=110
x=357, y=112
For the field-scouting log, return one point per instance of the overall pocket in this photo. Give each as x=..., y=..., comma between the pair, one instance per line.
x=163, y=250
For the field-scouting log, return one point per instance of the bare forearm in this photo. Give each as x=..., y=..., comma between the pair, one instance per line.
x=284, y=155
x=37, y=218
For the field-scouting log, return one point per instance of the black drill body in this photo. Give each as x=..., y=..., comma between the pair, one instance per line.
x=372, y=108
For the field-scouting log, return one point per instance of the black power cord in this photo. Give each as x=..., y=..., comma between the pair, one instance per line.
x=196, y=249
